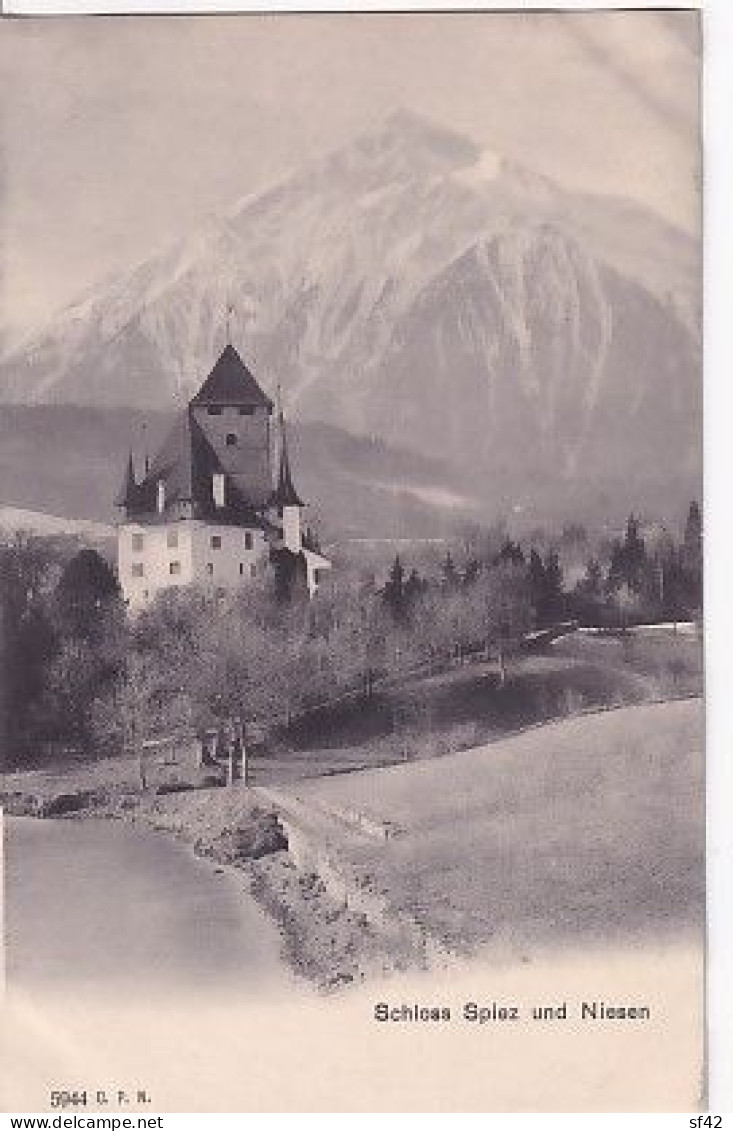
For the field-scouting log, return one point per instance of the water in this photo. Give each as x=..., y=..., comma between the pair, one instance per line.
x=101, y=902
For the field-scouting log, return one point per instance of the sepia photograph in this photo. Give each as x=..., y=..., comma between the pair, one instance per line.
x=351, y=562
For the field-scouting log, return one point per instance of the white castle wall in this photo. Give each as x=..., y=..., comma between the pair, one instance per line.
x=232, y=562
x=316, y=565
x=155, y=557
x=194, y=557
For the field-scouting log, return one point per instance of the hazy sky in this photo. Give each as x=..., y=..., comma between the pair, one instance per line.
x=120, y=134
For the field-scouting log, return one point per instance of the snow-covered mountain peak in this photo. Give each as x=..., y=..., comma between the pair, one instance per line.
x=404, y=129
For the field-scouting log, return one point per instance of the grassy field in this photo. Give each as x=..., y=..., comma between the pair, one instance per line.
x=590, y=828
x=539, y=687
x=669, y=663
x=466, y=707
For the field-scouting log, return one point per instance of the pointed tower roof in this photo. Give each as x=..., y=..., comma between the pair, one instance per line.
x=185, y=462
x=285, y=494
x=231, y=383
x=126, y=495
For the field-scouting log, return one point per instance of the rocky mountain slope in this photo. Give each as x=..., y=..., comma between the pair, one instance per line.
x=529, y=349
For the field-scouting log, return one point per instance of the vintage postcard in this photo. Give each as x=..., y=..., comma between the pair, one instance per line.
x=351, y=541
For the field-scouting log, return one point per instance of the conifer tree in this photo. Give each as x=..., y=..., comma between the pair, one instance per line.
x=394, y=590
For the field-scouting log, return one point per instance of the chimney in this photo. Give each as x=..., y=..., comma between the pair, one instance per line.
x=218, y=489
x=161, y=496
x=146, y=457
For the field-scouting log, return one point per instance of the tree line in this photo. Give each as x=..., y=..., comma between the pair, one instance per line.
x=645, y=579
x=80, y=673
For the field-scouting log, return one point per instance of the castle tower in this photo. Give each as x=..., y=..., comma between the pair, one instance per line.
x=233, y=414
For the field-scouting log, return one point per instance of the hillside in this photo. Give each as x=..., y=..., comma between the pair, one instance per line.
x=67, y=462
x=589, y=829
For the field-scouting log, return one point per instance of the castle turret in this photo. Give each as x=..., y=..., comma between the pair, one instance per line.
x=126, y=495
x=285, y=498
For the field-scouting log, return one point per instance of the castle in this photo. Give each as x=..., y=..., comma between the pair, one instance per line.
x=208, y=510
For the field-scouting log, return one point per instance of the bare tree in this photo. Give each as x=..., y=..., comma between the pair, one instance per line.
x=501, y=610
x=137, y=700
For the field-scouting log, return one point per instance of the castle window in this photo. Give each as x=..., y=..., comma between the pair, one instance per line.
x=253, y=570
x=218, y=489
x=175, y=567
x=231, y=440
x=210, y=568
x=214, y=410
x=216, y=541
x=172, y=539
x=246, y=410
x=248, y=539
x=138, y=542
x=138, y=569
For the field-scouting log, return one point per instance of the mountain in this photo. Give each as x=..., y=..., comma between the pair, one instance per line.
x=419, y=288
x=528, y=336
